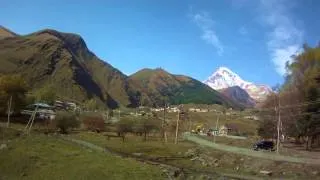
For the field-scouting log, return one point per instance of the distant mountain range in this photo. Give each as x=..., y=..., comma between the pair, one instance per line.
x=63, y=62
x=224, y=78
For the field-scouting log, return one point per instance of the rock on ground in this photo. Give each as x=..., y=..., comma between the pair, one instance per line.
x=3, y=146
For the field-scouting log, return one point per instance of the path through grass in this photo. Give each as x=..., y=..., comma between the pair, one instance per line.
x=42, y=157
x=250, y=152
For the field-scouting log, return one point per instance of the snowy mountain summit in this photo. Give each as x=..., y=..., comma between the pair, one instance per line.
x=224, y=78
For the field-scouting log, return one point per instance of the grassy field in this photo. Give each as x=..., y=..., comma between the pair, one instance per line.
x=209, y=120
x=228, y=163
x=245, y=143
x=153, y=147
x=49, y=156
x=42, y=157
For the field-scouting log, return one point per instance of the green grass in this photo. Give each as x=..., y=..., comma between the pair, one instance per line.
x=209, y=119
x=245, y=143
x=153, y=147
x=39, y=156
x=43, y=157
x=248, y=166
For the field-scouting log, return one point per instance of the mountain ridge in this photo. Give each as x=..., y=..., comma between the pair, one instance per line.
x=63, y=61
x=5, y=32
x=223, y=78
x=239, y=95
x=178, y=89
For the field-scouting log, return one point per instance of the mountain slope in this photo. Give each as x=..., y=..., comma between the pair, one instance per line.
x=62, y=60
x=224, y=78
x=178, y=89
x=4, y=33
x=239, y=95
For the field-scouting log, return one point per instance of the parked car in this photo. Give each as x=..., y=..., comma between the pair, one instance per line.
x=264, y=145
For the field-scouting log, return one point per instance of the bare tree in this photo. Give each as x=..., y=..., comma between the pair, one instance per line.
x=124, y=126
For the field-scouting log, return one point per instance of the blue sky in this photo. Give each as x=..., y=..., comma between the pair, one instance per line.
x=254, y=38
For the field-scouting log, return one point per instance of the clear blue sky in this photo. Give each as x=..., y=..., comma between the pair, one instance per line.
x=252, y=37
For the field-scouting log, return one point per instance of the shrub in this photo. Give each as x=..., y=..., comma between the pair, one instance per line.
x=65, y=121
x=123, y=127
x=93, y=123
x=145, y=126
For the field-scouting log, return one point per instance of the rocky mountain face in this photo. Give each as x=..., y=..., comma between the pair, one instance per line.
x=239, y=95
x=224, y=78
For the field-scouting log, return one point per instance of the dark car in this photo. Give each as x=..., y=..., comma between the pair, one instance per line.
x=265, y=145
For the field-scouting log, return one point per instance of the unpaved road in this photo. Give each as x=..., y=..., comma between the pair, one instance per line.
x=248, y=152
x=215, y=175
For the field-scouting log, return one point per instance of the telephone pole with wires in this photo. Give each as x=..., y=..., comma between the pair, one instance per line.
x=278, y=124
x=9, y=110
x=164, y=123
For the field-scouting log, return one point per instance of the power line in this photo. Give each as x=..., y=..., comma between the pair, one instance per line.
x=290, y=106
x=301, y=114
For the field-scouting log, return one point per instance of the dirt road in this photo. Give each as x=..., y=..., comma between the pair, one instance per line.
x=186, y=171
x=248, y=152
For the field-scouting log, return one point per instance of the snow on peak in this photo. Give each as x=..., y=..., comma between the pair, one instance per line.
x=224, y=78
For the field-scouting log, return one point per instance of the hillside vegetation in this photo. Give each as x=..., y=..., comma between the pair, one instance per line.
x=300, y=101
x=62, y=62
x=178, y=89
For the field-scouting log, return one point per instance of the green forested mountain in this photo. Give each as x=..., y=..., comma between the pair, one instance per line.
x=178, y=89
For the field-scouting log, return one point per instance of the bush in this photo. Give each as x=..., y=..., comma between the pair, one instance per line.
x=15, y=87
x=93, y=123
x=123, y=127
x=65, y=121
x=145, y=126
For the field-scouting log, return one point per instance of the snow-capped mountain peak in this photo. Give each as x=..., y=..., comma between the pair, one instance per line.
x=225, y=78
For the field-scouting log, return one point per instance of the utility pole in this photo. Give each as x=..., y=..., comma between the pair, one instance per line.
x=278, y=124
x=31, y=120
x=9, y=110
x=177, y=127
x=34, y=116
x=119, y=112
x=214, y=136
x=137, y=109
x=163, y=123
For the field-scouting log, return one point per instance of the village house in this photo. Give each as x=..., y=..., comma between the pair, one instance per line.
x=157, y=109
x=198, y=110
x=252, y=117
x=173, y=109
x=191, y=109
x=227, y=129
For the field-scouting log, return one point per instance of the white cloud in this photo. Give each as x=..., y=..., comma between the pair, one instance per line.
x=205, y=23
x=285, y=37
x=243, y=30
x=281, y=55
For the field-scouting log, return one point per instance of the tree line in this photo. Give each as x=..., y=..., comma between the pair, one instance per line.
x=297, y=101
